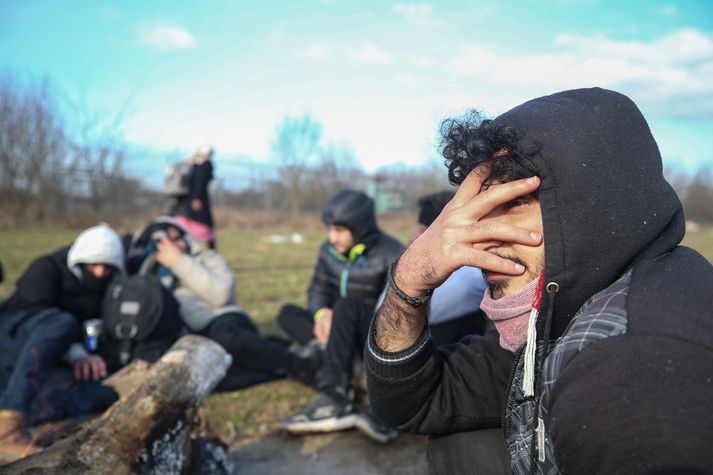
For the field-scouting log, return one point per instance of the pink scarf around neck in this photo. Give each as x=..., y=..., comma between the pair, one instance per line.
x=510, y=314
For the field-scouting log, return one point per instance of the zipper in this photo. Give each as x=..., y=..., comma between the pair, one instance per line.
x=344, y=280
x=518, y=355
x=538, y=435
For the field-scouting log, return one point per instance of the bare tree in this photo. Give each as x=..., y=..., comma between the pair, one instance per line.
x=296, y=145
x=33, y=148
x=698, y=201
x=59, y=160
x=335, y=170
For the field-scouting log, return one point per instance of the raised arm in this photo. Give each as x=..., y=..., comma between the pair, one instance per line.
x=412, y=385
x=208, y=277
x=458, y=237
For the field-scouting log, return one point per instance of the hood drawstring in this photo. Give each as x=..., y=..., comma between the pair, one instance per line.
x=538, y=425
x=528, y=380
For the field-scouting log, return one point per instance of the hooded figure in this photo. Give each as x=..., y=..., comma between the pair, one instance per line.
x=355, y=211
x=41, y=319
x=361, y=271
x=201, y=281
x=615, y=373
x=356, y=271
x=347, y=281
x=204, y=286
x=60, y=279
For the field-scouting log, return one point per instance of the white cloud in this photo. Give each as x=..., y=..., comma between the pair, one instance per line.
x=370, y=54
x=316, y=52
x=669, y=74
x=423, y=61
x=406, y=79
x=419, y=14
x=680, y=46
x=166, y=37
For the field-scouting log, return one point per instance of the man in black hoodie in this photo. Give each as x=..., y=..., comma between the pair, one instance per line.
x=605, y=347
x=349, y=276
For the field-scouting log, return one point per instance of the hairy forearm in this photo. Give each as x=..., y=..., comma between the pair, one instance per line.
x=398, y=325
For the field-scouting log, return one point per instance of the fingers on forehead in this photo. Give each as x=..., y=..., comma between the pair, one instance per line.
x=473, y=183
x=502, y=193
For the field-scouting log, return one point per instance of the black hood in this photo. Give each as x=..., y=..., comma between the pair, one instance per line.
x=605, y=203
x=354, y=210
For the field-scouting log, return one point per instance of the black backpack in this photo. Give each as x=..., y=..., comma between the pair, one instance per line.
x=140, y=319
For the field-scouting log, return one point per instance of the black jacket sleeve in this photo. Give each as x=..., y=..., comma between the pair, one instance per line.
x=436, y=391
x=321, y=292
x=38, y=287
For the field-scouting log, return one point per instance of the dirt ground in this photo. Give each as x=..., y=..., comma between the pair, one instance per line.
x=344, y=453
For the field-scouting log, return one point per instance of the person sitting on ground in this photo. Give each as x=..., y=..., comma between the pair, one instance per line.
x=602, y=360
x=352, y=263
x=193, y=210
x=454, y=314
x=40, y=321
x=204, y=286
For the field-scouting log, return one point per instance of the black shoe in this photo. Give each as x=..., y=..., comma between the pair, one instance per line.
x=314, y=350
x=371, y=426
x=283, y=342
x=305, y=371
x=324, y=414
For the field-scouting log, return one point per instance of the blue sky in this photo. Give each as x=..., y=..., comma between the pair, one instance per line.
x=379, y=76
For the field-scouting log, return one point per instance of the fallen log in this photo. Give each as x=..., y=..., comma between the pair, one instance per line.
x=148, y=430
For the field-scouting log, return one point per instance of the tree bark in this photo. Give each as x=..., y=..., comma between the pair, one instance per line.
x=148, y=429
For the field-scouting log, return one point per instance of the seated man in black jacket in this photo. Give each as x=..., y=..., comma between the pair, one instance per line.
x=454, y=314
x=42, y=318
x=603, y=359
x=352, y=262
x=350, y=273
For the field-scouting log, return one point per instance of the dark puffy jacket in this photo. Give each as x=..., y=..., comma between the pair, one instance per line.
x=47, y=283
x=362, y=273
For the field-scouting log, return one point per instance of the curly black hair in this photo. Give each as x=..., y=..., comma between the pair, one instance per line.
x=471, y=140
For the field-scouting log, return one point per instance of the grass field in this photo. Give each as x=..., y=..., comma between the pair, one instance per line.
x=268, y=275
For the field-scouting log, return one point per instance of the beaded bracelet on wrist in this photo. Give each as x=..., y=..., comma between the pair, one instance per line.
x=413, y=301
